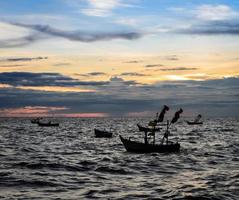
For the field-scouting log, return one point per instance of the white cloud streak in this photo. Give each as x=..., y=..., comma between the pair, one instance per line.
x=102, y=8
x=215, y=12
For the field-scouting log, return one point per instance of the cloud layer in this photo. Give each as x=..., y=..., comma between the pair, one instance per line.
x=101, y=8
x=43, y=79
x=212, y=28
x=22, y=59
x=82, y=36
x=119, y=97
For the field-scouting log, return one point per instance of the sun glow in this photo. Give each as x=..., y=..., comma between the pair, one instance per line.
x=55, y=89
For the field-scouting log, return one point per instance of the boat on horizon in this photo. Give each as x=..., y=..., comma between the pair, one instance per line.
x=196, y=121
x=102, y=134
x=47, y=124
x=35, y=121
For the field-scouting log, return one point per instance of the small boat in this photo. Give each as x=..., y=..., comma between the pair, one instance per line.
x=139, y=147
x=47, y=124
x=102, y=134
x=147, y=129
x=35, y=121
x=194, y=123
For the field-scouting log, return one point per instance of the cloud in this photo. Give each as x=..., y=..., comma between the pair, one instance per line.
x=215, y=12
x=27, y=111
x=213, y=28
x=102, y=8
x=82, y=36
x=171, y=57
x=11, y=66
x=210, y=98
x=44, y=79
x=128, y=21
x=133, y=61
x=21, y=41
x=116, y=81
x=96, y=73
x=92, y=74
x=22, y=59
x=61, y=64
x=154, y=65
x=178, y=69
x=132, y=74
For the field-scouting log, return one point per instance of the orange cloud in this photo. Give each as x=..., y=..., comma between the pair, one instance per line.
x=84, y=115
x=29, y=111
x=55, y=89
x=45, y=111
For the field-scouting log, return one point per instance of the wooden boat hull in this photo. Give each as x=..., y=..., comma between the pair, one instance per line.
x=146, y=129
x=138, y=147
x=194, y=123
x=102, y=134
x=47, y=124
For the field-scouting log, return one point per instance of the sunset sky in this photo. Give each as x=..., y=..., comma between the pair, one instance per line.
x=96, y=58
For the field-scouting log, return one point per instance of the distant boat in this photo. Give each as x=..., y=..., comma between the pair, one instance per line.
x=102, y=134
x=194, y=123
x=35, y=121
x=47, y=124
x=147, y=129
x=139, y=147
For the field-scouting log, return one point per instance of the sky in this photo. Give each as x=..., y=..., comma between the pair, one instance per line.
x=103, y=58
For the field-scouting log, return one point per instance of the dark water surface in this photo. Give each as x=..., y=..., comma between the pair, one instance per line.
x=67, y=162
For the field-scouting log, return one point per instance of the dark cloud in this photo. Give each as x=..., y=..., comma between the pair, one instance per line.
x=21, y=41
x=154, y=65
x=61, y=64
x=211, y=98
x=213, y=28
x=22, y=59
x=133, y=61
x=92, y=74
x=82, y=36
x=225, y=82
x=96, y=73
x=179, y=69
x=132, y=74
x=171, y=57
x=117, y=81
x=43, y=79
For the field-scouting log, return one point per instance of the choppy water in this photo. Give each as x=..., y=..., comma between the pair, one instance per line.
x=67, y=162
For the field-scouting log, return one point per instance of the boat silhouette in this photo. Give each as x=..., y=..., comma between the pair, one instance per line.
x=102, y=134
x=47, y=124
x=139, y=147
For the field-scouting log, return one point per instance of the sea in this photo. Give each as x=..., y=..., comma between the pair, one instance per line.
x=68, y=162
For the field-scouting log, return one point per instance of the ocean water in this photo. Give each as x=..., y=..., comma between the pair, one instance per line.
x=67, y=162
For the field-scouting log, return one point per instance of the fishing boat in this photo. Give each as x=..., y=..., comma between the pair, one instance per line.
x=194, y=123
x=147, y=129
x=35, y=121
x=47, y=124
x=102, y=134
x=165, y=146
x=139, y=147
